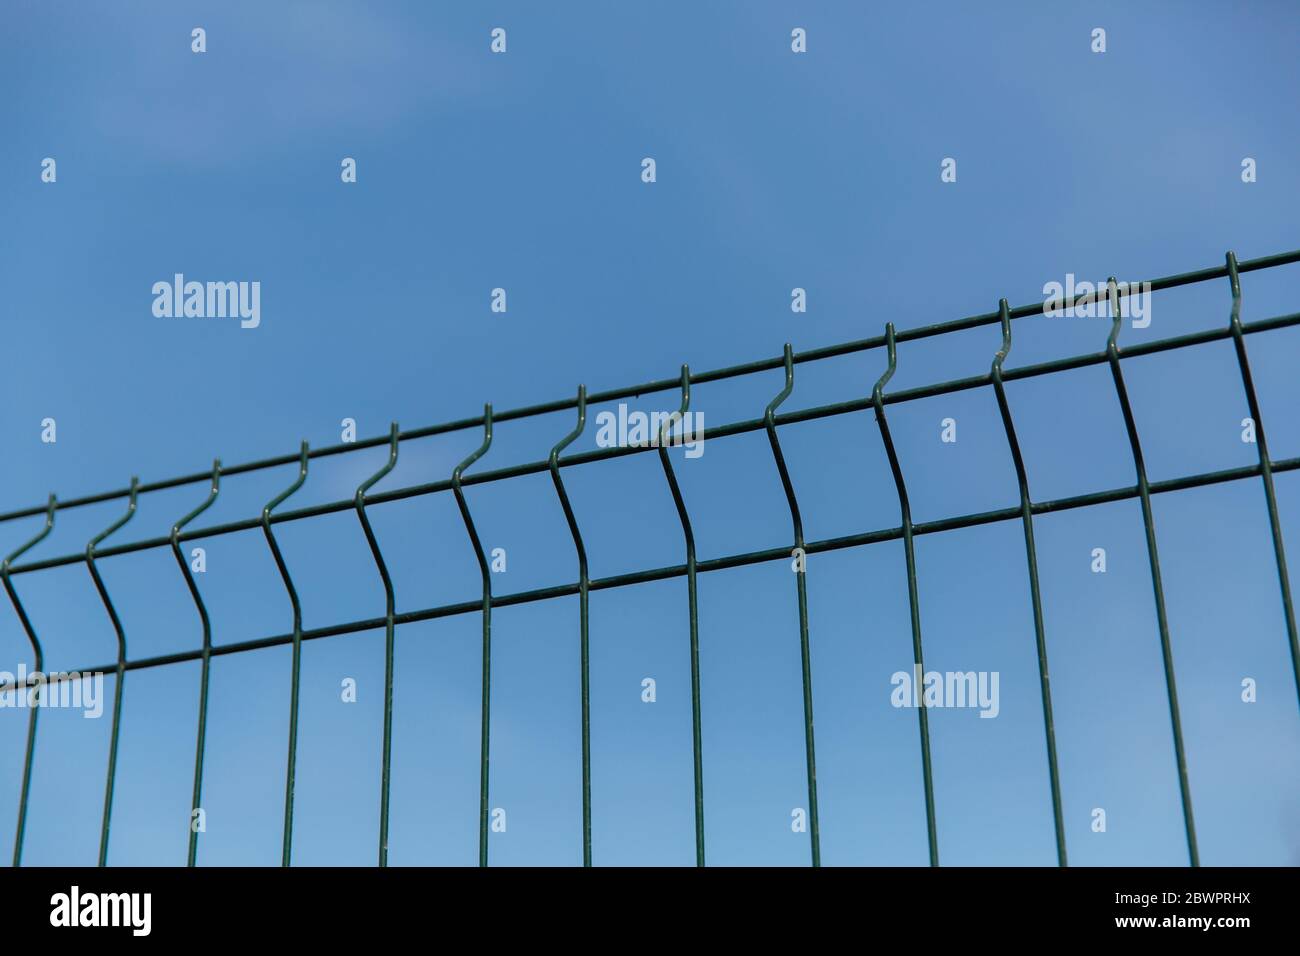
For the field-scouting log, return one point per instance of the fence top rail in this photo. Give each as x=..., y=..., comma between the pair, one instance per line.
x=666, y=384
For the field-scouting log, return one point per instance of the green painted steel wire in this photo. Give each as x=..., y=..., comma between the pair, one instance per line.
x=721, y=431
x=486, y=605
x=1143, y=490
x=386, y=762
x=1266, y=469
x=39, y=659
x=584, y=644
x=291, y=763
x=805, y=656
x=119, y=669
x=744, y=559
x=200, y=744
x=663, y=385
x=1031, y=555
x=840, y=408
x=697, y=739
x=913, y=599
x=1157, y=586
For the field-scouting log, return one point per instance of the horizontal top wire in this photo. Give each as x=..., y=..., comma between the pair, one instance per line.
x=659, y=385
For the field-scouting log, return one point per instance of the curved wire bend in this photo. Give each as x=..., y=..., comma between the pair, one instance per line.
x=197, y=792
x=913, y=598
x=36, y=539
x=573, y=436
x=39, y=661
x=286, y=850
x=1112, y=340
x=891, y=350
x=485, y=728
x=121, y=665
x=386, y=762
x=769, y=421
x=180, y=558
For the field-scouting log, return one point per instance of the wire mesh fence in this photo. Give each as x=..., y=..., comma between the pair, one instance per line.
x=670, y=431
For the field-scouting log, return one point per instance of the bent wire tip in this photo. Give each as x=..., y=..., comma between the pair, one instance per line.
x=770, y=421
x=1231, y=260
x=480, y=451
x=1004, y=314
x=680, y=414
x=1112, y=294
x=212, y=496
x=573, y=435
x=50, y=508
x=1235, y=280
x=302, y=476
x=877, y=393
x=130, y=510
x=394, y=435
x=775, y=403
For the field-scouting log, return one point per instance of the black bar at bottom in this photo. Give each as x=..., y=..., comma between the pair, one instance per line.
x=977, y=905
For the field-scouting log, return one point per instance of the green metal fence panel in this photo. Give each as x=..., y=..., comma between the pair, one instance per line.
x=876, y=401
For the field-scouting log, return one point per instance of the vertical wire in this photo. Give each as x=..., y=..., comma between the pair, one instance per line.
x=199, y=746
x=914, y=603
x=584, y=646
x=1031, y=555
x=801, y=586
x=120, y=669
x=1153, y=555
x=39, y=660
x=685, y=519
x=389, y=613
x=1266, y=470
x=485, y=729
x=286, y=850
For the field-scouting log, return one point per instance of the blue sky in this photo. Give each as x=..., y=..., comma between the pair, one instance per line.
x=774, y=171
